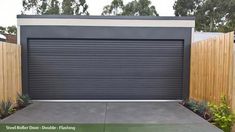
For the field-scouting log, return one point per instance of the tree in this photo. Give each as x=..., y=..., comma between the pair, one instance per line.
x=211, y=15
x=55, y=7
x=8, y=30
x=2, y=30
x=38, y=7
x=133, y=8
x=73, y=7
x=140, y=8
x=12, y=30
x=114, y=8
x=67, y=7
x=186, y=7
x=229, y=17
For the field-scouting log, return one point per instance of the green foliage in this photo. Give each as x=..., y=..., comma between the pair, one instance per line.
x=67, y=7
x=186, y=7
x=29, y=4
x=202, y=107
x=55, y=7
x=6, y=108
x=23, y=100
x=114, y=8
x=199, y=107
x=211, y=15
x=73, y=7
x=196, y=106
x=2, y=30
x=12, y=30
x=193, y=105
x=223, y=117
x=8, y=30
x=220, y=115
x=133, y=8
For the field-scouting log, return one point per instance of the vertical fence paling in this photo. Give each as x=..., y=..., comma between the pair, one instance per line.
x=10, y=71
x=211, y=69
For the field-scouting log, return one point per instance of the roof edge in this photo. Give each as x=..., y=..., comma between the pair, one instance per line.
x=105, y=17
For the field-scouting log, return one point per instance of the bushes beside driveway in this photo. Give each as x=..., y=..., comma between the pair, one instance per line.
x=220, y=115
x=7, y=107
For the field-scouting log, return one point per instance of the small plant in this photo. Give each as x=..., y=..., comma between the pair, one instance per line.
x=202, y=107
x=193, y=105
x=6, y=108
x=196, y=106
x=199, y=107
x=23, y=100
x=223, y=117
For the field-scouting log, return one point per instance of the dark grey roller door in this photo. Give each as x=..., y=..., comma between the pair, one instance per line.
x=105, y=69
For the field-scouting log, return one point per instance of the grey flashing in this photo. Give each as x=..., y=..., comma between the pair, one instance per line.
x=106, y=17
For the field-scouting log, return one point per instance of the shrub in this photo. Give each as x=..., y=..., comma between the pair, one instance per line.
x=223, y=117
x=23, y=100
x=193, y=105
x=199, y=107
x=202, y=107
x=6, y=108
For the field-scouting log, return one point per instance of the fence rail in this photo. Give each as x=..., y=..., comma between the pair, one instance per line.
x=211, y=69
x=10, y=71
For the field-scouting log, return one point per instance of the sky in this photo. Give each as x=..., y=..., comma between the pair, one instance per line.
x=10, y=8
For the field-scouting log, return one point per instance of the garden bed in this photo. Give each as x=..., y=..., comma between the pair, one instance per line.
x=14, y=109
x=219, y=115
x=7, y=108
x=200, y=109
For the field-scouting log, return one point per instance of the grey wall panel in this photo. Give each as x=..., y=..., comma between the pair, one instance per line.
x=52, y=52
x=105, y=69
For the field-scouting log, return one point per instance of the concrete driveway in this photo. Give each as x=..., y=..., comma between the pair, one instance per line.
x=166, y=116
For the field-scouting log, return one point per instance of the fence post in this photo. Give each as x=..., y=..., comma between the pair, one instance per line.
x=1, y=73
x=232, y=83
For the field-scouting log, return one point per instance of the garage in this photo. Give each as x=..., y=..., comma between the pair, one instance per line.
x=105, y=58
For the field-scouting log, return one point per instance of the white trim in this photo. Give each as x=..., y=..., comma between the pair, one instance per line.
x=18, y=34
x=101, y=22
x=192, y=35
x=106, y=22
x=106, y=101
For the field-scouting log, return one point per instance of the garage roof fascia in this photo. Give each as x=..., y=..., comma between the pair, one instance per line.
x=123, y=21
x=105, y=21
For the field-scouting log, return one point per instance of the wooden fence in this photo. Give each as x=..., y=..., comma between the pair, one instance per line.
x=10, y=71
x=211, y=70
